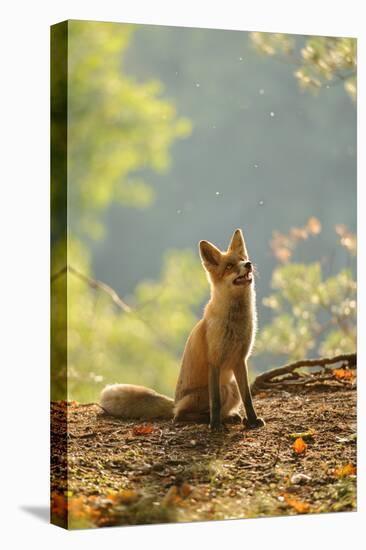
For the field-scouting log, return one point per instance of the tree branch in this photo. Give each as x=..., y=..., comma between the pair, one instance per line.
x=93, y=283
x=120, y=303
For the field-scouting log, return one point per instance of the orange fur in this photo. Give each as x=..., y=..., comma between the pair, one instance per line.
x=224, y=336
x=220, y=343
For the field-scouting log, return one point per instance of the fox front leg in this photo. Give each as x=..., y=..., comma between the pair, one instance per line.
x=241, y=375
x=214, y=397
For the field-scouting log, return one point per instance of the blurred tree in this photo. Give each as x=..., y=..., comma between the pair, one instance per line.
x=116, y=129
x=322, y=61
x=310, y=311
x=108, y=344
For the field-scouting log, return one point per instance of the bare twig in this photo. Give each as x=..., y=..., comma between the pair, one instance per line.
x=120, y=303
x=93, y=283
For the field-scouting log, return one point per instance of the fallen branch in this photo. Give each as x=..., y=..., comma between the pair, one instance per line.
x=285, y=376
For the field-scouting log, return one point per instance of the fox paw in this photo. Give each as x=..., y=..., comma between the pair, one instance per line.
x=216, y=427
x=254, y=423
x=233, y=419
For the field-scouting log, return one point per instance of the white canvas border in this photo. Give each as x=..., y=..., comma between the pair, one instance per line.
x=25, y=259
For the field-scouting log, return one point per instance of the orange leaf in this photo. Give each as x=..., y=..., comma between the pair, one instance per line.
x=77, y=506
x=300, y=507
x=346, y=470
x=343, y=374
x=58, y=504
x=186, y=489
x=299, y=446
x=143, y=430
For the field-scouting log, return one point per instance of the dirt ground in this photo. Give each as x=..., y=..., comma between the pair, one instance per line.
x=127, y=473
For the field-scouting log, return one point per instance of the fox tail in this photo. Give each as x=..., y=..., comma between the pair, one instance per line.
x=130, y=401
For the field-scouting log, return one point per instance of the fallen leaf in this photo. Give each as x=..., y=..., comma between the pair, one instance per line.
x=344, y=374
x=186, y=489
x=58, y=504
x=77, y=507
x=298, y=505
x=350, y=439
x=145, y=429
x=346, y=470
x=297, y=479
x=299, y=446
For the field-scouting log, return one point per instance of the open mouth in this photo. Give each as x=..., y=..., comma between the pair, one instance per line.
x=243, y=279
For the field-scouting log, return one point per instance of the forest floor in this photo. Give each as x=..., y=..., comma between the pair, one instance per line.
x=127, y=473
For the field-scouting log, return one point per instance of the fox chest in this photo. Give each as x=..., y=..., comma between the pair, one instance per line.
x=230, y=339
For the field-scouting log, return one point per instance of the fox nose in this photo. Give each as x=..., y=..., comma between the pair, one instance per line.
x=248, y=265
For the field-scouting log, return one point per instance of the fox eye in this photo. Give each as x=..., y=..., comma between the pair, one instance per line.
x=229, y=266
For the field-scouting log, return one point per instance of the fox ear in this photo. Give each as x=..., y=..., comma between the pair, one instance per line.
x=237, y=243
x=210, y=255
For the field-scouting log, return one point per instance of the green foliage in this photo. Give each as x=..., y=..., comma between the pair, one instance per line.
x=272, y=43
x=322, y=60
x=310, y=313
x=117, y=126
x=108, y=345
x=117, y=129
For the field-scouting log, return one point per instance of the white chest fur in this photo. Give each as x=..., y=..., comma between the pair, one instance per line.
x=231, y=332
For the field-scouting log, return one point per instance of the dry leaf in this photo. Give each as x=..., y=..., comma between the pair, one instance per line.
x=346, y=470
x=186, y=489
x=299, y=478
x=299, y=446
x=300, y=507
x=77, y=507
x=344, y=374
x=58, y=504
x=350, y=439
x=145, y=429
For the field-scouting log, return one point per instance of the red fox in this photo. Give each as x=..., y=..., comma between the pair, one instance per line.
x=213, y=381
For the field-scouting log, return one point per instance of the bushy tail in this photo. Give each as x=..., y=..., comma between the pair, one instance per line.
x=129, y=401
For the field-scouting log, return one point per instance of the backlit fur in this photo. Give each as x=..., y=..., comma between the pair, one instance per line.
x=223, y=337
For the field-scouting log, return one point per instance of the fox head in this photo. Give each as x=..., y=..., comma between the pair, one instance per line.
x=229, y=270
